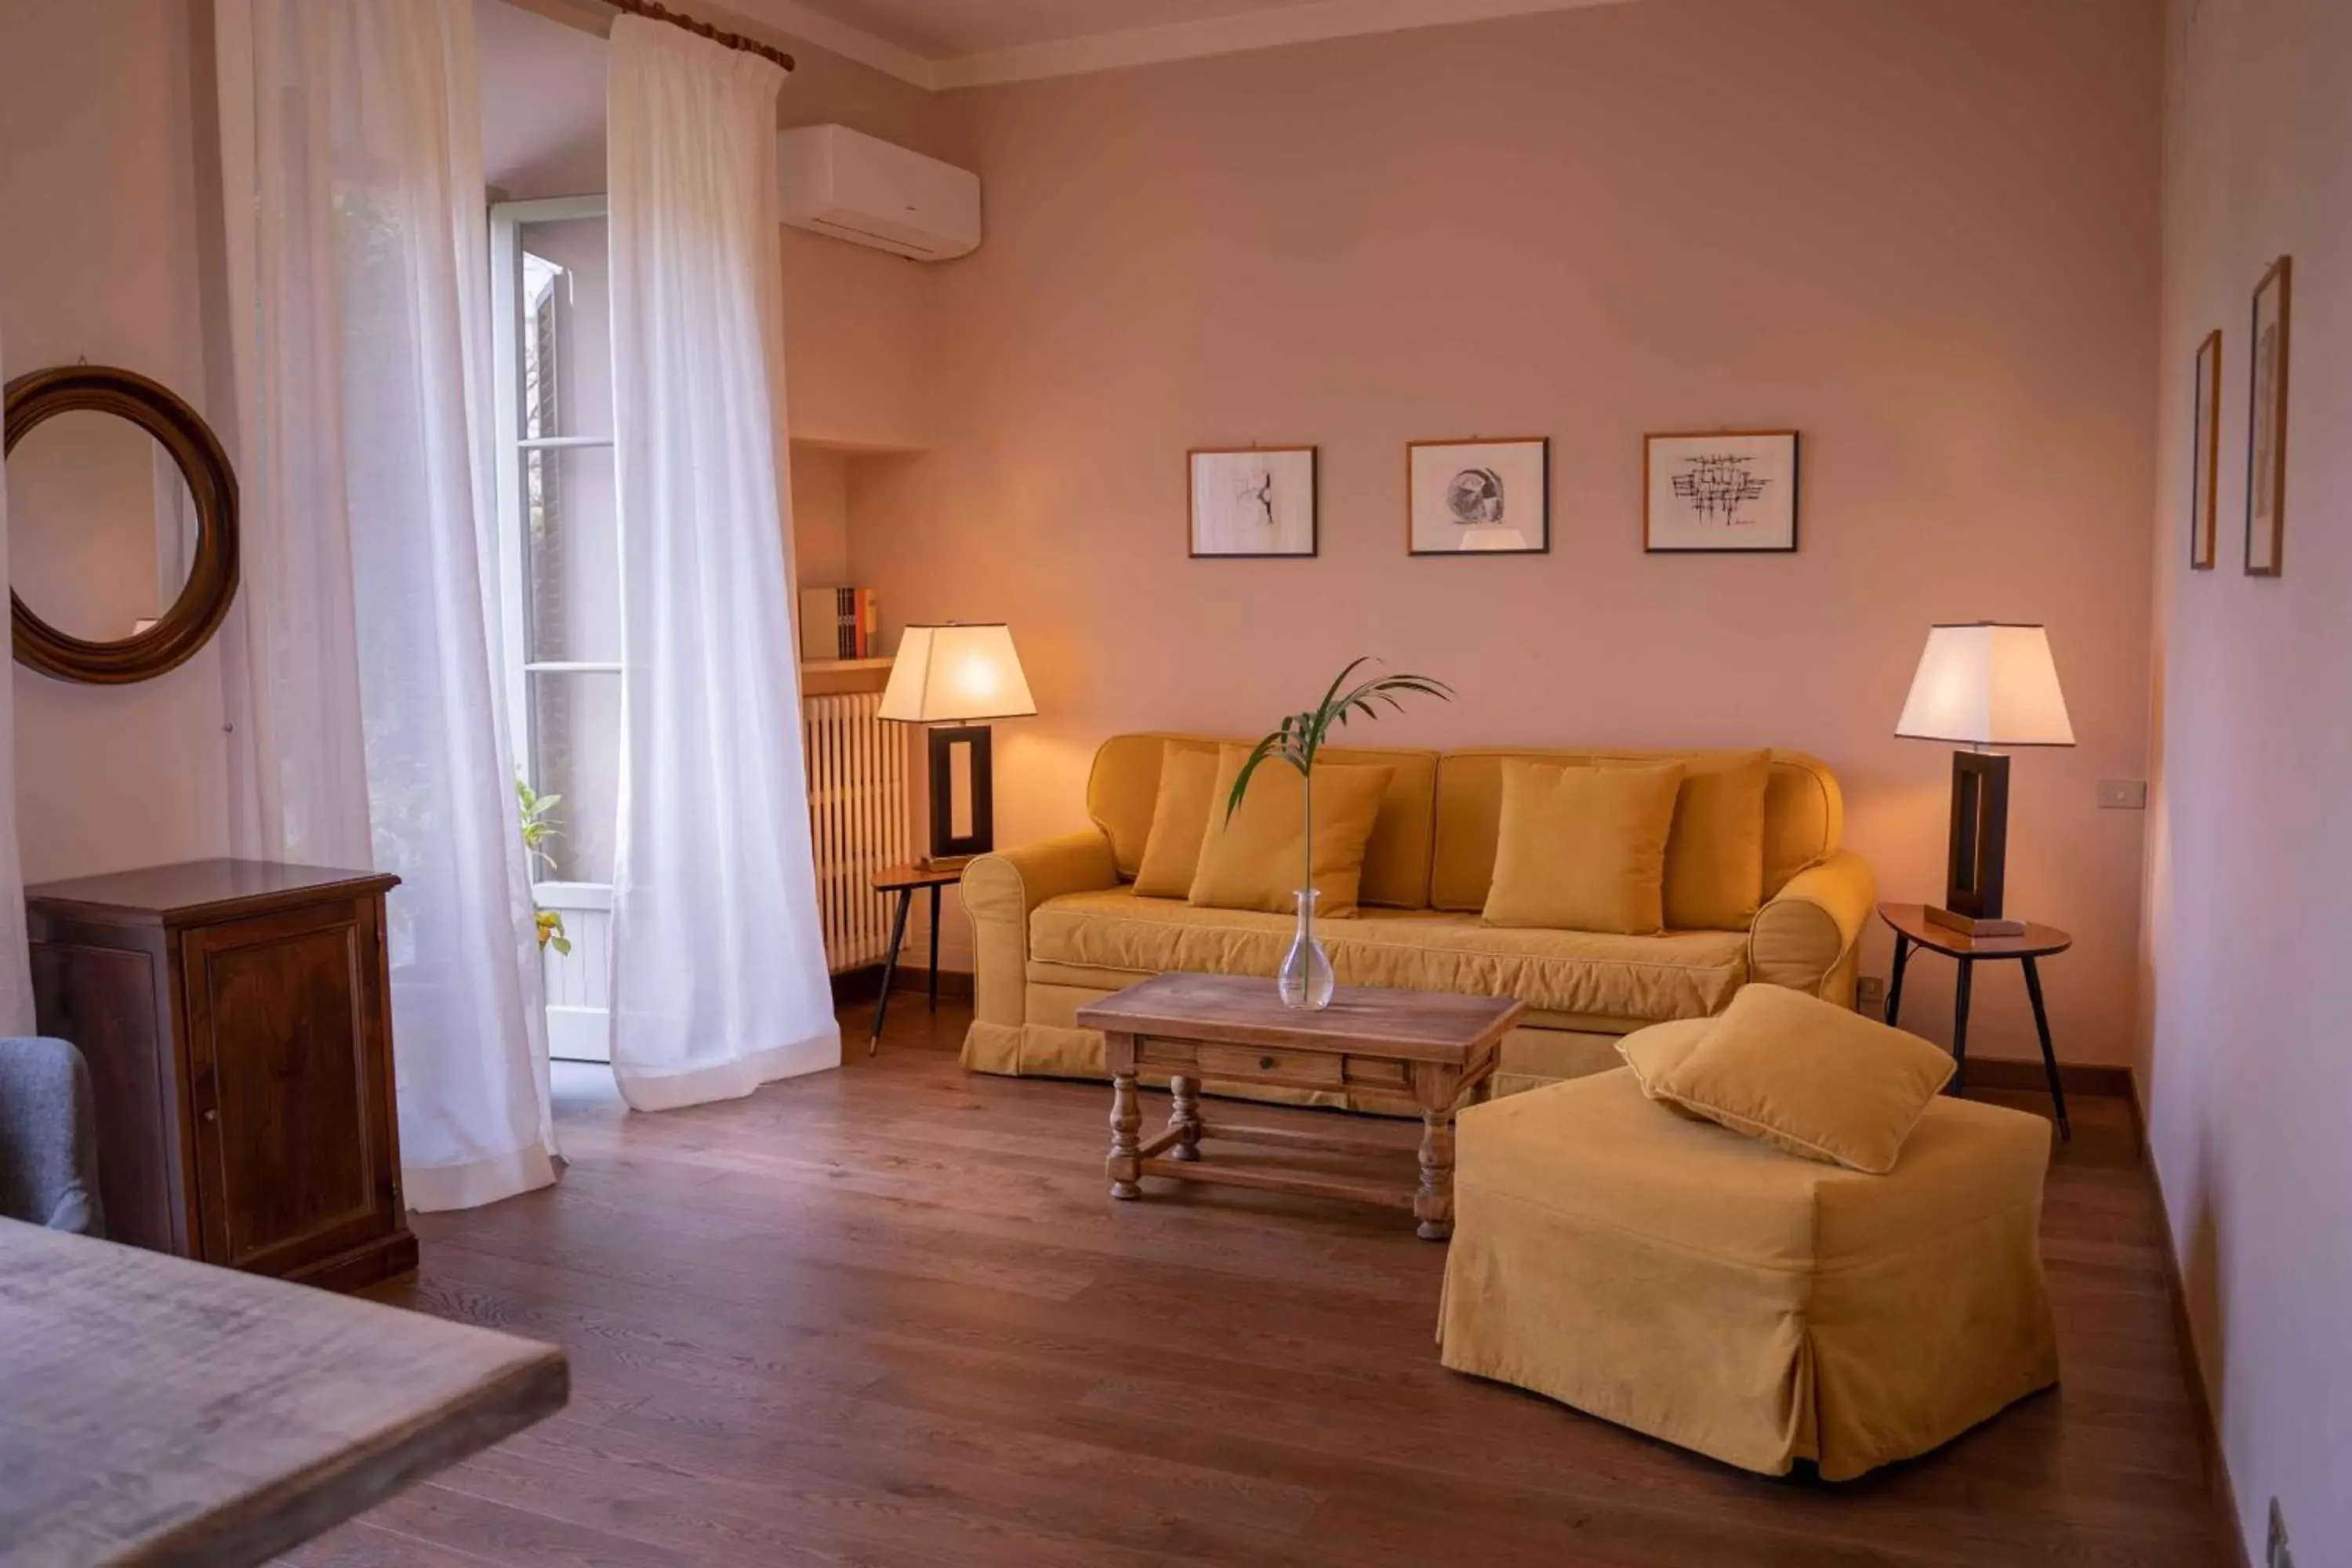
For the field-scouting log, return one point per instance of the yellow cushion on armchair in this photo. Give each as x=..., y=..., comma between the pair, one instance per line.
x=1803, y=1075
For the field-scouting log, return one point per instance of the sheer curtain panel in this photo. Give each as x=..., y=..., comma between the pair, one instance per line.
x=16, y=972
x=363, y=699
x=718, y=979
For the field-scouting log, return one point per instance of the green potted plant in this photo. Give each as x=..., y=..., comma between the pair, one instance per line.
x=1304, y=979
x=538, y=827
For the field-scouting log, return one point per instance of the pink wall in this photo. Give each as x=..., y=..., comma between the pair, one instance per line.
x=101, y=235
x=1925, y=235
x=2244, y=1062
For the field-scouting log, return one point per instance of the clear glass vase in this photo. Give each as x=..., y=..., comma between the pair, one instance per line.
x=1304, y=978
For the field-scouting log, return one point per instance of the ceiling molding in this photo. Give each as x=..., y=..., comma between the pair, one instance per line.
x=1266, y=29
x=841, y=39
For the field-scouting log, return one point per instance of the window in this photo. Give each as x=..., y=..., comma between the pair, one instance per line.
x=558, y=575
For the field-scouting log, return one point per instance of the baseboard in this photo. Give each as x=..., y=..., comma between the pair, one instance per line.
x=864, y=984
x=2209, y=1430
x=2075, y=1078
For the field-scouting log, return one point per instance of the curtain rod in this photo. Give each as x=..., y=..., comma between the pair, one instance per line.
x=658, y=12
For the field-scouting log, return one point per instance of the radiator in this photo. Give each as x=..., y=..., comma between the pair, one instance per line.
x=860, y=819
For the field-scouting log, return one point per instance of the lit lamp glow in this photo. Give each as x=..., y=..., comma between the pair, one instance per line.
x=1983, y=684
x=948, y=677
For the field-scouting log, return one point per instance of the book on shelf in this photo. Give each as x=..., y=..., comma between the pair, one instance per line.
x=839, y=623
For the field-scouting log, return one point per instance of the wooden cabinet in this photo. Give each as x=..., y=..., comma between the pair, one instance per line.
x=237, y=1021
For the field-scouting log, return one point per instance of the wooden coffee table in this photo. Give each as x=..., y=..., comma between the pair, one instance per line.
x=1436, y=1049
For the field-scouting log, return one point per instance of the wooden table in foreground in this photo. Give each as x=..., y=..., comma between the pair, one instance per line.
x=153, y=1410
x=1433, y=1048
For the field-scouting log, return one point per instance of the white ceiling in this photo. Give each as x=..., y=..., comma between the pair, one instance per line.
x=949, y=29
x=969, y=43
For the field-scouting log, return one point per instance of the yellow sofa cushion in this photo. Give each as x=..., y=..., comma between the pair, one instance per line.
x=1180, y=819
x=1715, y=857
x=1804, y=813
x=1254, y=858
x=1714, y=1292
x=1123, y=789
x=1598, y=981
x=1802, y=1075
x=1583, y=848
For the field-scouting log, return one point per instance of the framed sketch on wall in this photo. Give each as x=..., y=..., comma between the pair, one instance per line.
x=1720, y=490
x=1253, y=501
x=1478, y=496
x=2205, y=453
x=2266, y=425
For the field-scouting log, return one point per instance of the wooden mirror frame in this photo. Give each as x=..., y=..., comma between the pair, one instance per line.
x=196, y=615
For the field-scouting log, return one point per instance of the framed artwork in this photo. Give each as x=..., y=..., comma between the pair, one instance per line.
x=1720, y=490
x=1253, y=502
x=2266, y=425
x=2205, y=441
x=1478, y=496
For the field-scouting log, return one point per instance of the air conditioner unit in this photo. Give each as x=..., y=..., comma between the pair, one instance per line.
x=856, y=187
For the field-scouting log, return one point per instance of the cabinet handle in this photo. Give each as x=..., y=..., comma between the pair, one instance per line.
x=1266, y=1064
x=211, y=1113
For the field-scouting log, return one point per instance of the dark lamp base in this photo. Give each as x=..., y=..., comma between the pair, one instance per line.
x=1973, y=925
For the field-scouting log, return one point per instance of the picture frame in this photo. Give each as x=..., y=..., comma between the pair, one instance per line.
x=1478, y=496
x=2266, y=422
x=1713, y=492
x=1253, y=503
x=2205, y=456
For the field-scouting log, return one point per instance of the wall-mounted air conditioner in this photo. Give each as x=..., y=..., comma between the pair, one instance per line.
x=855, y=187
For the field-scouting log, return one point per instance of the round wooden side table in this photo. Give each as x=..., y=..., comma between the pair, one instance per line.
x=904, y=881
x=1914, y=929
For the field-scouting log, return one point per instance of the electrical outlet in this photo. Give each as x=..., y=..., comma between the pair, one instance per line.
x=2278, y=1556
x=2123, y=795
x=1870, y=996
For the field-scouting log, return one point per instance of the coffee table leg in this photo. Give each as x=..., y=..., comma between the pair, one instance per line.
x=1433, y=1205
x=1124, y=1168
x=1184, y=1117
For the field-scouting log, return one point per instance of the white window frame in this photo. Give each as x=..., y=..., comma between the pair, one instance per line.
x=575, y=1030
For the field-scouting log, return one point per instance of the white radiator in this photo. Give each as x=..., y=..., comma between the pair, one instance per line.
x=860, y=819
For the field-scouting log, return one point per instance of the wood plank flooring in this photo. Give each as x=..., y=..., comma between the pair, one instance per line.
x=888, y=1315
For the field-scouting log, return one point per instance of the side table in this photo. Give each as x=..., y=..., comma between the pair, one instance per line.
x=904, y=881
x=1914, y=929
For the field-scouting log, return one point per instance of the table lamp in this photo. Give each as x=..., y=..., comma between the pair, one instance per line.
x=1983, y=684
x=946, y=677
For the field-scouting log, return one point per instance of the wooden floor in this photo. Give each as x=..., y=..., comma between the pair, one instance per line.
x=888, y=1315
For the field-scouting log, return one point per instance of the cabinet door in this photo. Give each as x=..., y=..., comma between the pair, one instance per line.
x=292, y=1082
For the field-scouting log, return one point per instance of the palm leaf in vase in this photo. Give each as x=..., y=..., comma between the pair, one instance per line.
x=1305, y=977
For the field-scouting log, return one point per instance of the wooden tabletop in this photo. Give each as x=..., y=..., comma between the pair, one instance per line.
x=1416, y=1025
x=153, y=1410
x=197, y=889
x=938, y=874
x=1911, y=920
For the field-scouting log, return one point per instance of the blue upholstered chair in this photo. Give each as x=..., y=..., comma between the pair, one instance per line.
x=49, y=1138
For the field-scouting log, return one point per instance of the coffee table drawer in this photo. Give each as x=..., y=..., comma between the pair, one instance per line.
x=1314, y=1070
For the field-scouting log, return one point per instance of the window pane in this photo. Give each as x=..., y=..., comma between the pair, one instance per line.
x=573, y=552
x=566, y=336
x=575, y=737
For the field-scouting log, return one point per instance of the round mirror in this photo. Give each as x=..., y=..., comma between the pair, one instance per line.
x=121, y=525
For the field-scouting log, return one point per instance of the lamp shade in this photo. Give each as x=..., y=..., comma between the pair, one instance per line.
x=1987, y=684
x=954, y=673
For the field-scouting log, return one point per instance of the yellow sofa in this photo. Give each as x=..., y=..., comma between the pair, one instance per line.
x=1056, y=923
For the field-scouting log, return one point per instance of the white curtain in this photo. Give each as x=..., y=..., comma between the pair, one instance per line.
x=719, y=980
x=16, y=972
x=363, y=697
